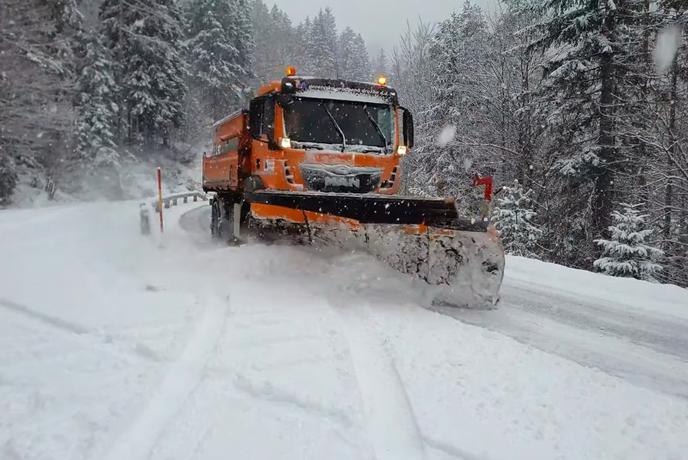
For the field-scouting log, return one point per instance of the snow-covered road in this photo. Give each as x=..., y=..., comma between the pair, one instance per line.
x=118, y=346
x=647, y=349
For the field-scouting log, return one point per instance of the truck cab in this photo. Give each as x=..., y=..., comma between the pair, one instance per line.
x=306, y=134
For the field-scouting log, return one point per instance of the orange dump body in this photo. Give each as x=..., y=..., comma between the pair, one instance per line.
x=224, y=166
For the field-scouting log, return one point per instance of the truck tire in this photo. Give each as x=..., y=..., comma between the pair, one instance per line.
x=224, y=228
x=222, y=221
x=215, y=215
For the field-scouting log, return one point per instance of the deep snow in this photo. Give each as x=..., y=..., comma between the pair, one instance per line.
x=114, y=345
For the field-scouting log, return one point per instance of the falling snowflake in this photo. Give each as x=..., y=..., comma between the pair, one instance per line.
x=446, y=135
x=668, y=42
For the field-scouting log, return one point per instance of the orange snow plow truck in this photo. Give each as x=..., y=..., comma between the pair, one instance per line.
x=319, y=161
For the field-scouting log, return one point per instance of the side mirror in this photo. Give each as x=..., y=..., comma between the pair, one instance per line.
x=255, y=118
x=285, y=100
x=408, y=128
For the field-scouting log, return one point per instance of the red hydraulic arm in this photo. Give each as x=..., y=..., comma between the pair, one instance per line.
x=487, y=182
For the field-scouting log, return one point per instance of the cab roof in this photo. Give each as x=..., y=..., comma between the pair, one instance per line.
x=345, y=89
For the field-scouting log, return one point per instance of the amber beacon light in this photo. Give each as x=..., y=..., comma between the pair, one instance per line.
x=382, y=80
x=291, y=71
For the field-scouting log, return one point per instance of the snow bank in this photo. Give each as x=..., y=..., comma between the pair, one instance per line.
x=132, y=179
x=621, y=293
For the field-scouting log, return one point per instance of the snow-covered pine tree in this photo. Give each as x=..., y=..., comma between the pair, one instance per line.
x=37, y=45
x=353, y=62
x=381, y=64
x=96, y=122
x=345, y=54
x=584, y=93
x=8, y=178
x=628, y=252
x=514, y=217
x=68, y=32
x=277, y=44
x=461, y=94
x=411, y=72
x=220, y=60
x=668, y=164
x=516, y=71
x=321, y=48
x=96, y=101
x=361, y=62
x=303, y=32
x=243, y=36
x=145, y=40
x=262, y=26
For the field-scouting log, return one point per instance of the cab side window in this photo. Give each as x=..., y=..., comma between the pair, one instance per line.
x=262, y=118
x=226, y=145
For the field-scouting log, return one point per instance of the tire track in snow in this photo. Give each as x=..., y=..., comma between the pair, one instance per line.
x=181, y=379
x=52, y=321
x=71, y=327
x=390, y=423
x=451, y=450
x=389, y=419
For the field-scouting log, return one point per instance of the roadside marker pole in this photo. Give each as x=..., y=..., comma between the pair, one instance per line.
x=159, y=176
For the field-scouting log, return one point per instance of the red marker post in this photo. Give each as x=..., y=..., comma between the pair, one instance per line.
x=159, y=177
x=488, y=183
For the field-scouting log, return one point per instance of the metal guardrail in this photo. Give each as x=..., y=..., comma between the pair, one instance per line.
x=167, y=201
x=175, y=198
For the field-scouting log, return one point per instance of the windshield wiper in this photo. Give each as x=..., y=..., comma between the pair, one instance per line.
x=377, y=127
x=336, y=125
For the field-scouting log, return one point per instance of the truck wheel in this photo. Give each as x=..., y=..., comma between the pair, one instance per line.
x=215, y=218
x=225, y=228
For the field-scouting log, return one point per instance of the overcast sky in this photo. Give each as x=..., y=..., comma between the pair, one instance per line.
x=380, y=21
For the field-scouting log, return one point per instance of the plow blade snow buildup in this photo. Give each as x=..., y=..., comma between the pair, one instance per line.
x=420, y=237
x=319, y=161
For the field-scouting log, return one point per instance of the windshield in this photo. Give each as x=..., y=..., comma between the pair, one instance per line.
x=346, y=124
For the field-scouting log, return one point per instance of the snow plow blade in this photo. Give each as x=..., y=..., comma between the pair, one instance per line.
x=461, y=259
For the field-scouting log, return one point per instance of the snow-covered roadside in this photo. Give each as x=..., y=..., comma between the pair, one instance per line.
x=482, y=395
x=132, y=179
x=630, y=329
x=621, y=294
x=114, y=344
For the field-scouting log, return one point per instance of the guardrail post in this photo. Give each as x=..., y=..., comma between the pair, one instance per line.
x=145, y=219
x=159, y=178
